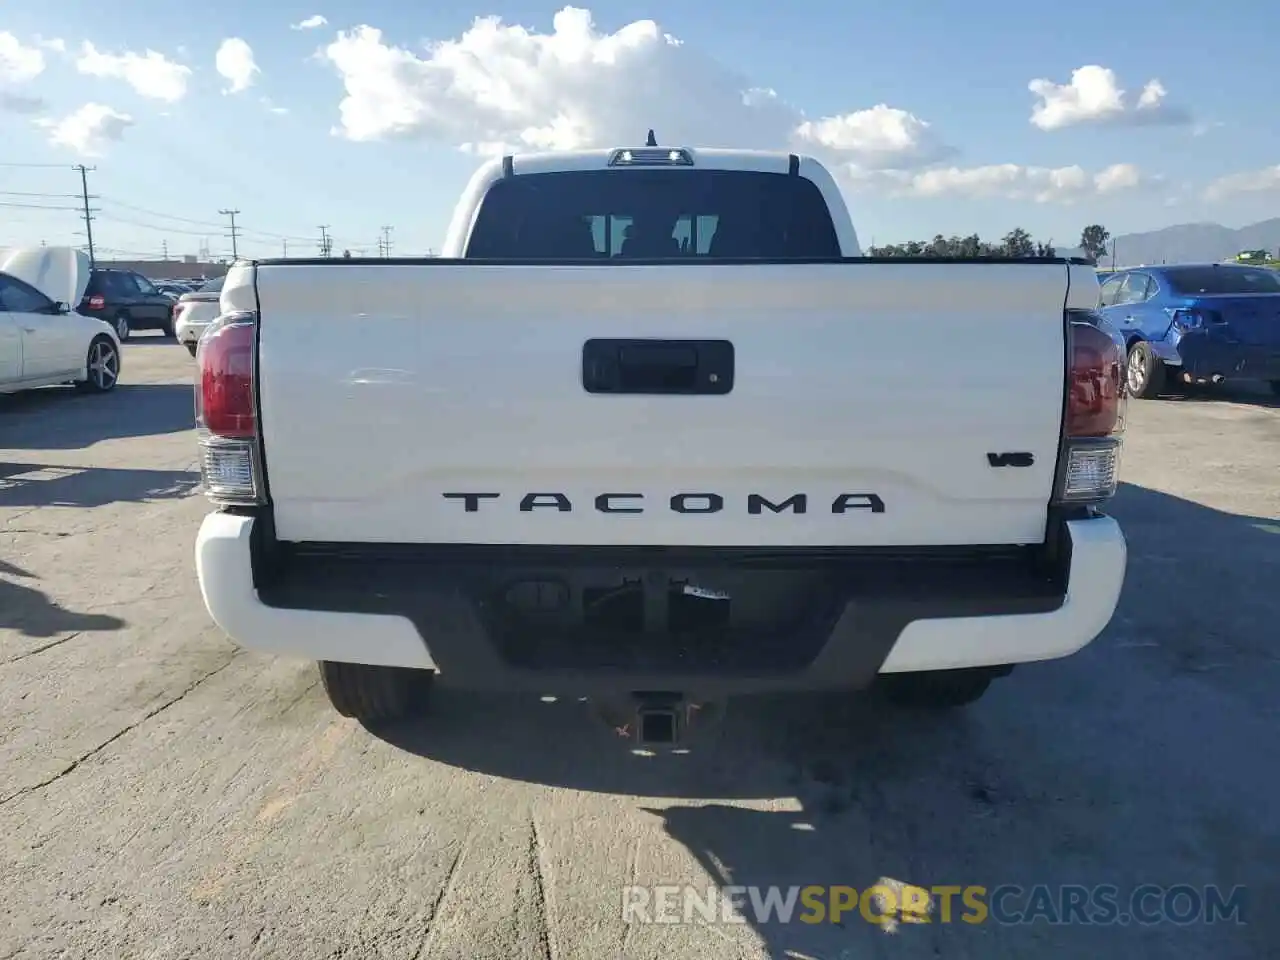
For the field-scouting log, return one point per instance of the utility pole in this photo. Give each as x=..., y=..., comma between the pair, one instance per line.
x=164, y=247
x=235, y=250
x=384, y=245
x=88, y=215
x=284, y=249
x=325, y=242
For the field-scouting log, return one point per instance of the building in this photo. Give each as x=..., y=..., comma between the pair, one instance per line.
x=169, y=269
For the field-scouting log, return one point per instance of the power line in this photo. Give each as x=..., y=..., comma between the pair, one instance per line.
x=36, y=206
x=43, y=196
x=326, y=244
x=151, y=226
x=208, y=224
x=384, y=242
x=235, y=250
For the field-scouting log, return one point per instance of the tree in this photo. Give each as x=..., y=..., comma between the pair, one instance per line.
x=1093, y=241
x=1017, y=243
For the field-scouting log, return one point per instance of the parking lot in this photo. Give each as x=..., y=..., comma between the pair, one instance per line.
x=164, y=795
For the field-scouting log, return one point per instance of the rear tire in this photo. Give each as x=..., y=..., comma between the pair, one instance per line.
x=1144, y=371
x=191, y=347
x=123, y=328
x=375, y=695
x=935, y=689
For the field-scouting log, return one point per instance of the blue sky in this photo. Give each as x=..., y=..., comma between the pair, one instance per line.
x=962, y=69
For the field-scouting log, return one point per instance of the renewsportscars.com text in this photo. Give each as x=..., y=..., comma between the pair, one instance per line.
x=892, y=903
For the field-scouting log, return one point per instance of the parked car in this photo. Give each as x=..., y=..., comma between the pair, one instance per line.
x=662, y=478
x=171, y=288
x=1195, y=324
x=42, y=341
x=128, y=301
x=193, y=312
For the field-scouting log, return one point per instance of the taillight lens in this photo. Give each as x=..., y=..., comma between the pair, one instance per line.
x=1194, y=319
x=226, y=411
x=97, y=302
x=1096, y=406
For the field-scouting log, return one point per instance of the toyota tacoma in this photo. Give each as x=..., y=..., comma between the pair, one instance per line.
x=651, y=431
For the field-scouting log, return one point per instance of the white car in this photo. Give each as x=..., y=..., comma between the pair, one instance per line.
x=43, y=341
x=194, y=311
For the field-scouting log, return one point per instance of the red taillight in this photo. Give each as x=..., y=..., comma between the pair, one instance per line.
x=230, y=458
x=225, y=363
x=1095, y=415
x=1096, y=398
x=97, y=302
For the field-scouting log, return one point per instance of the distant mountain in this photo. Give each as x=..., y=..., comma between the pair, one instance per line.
x=1195, y=242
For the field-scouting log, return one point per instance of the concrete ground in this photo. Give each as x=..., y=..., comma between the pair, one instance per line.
x=163, y=795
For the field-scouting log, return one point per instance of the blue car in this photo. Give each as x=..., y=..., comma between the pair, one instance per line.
x=1195, y=323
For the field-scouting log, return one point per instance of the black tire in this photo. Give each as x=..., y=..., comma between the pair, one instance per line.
x=1144, y=372
x=191, y=347
x=374, y=695
x=935, y=689
x=102, y=366
x=123, y=328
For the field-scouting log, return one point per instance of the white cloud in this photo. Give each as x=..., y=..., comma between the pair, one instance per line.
x=504, y=87
x=18, y=62
x=1118, y=176
x=311, y=23
x=1206, y=127
x=273, y=107
x=151, y=74
x=1094, y=97
x=1266, y=180
x=1007, y=181
x=235, y=63
x=88, y=130
x=879, y=138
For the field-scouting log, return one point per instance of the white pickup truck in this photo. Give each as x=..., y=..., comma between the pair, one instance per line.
x=652, y=431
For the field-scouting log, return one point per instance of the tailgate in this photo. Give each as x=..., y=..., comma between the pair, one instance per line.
x=445, y=403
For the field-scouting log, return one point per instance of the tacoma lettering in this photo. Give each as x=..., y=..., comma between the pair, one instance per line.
x=686, y=503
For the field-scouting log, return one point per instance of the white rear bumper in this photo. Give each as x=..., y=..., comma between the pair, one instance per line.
x=1098, y=557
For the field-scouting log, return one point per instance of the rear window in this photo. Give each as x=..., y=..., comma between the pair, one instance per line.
x=653, y=214
x=1189, y=281
x=213, y=286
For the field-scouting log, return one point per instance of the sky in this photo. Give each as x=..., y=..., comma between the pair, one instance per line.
x=935, y=117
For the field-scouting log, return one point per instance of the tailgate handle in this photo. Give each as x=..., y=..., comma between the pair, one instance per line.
x=648, y=367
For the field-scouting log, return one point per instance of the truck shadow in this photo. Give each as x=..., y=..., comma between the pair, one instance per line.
x=1250, y=393
x=59, y=418
x=1078, y=771
x=45, y=485
x=28, y=611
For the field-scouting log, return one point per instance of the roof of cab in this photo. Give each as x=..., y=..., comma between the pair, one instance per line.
x=762, y=161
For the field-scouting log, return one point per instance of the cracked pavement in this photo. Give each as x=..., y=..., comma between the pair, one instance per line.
x=164, y=795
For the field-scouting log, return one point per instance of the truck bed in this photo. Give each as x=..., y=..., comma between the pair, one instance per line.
x=868, y=403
